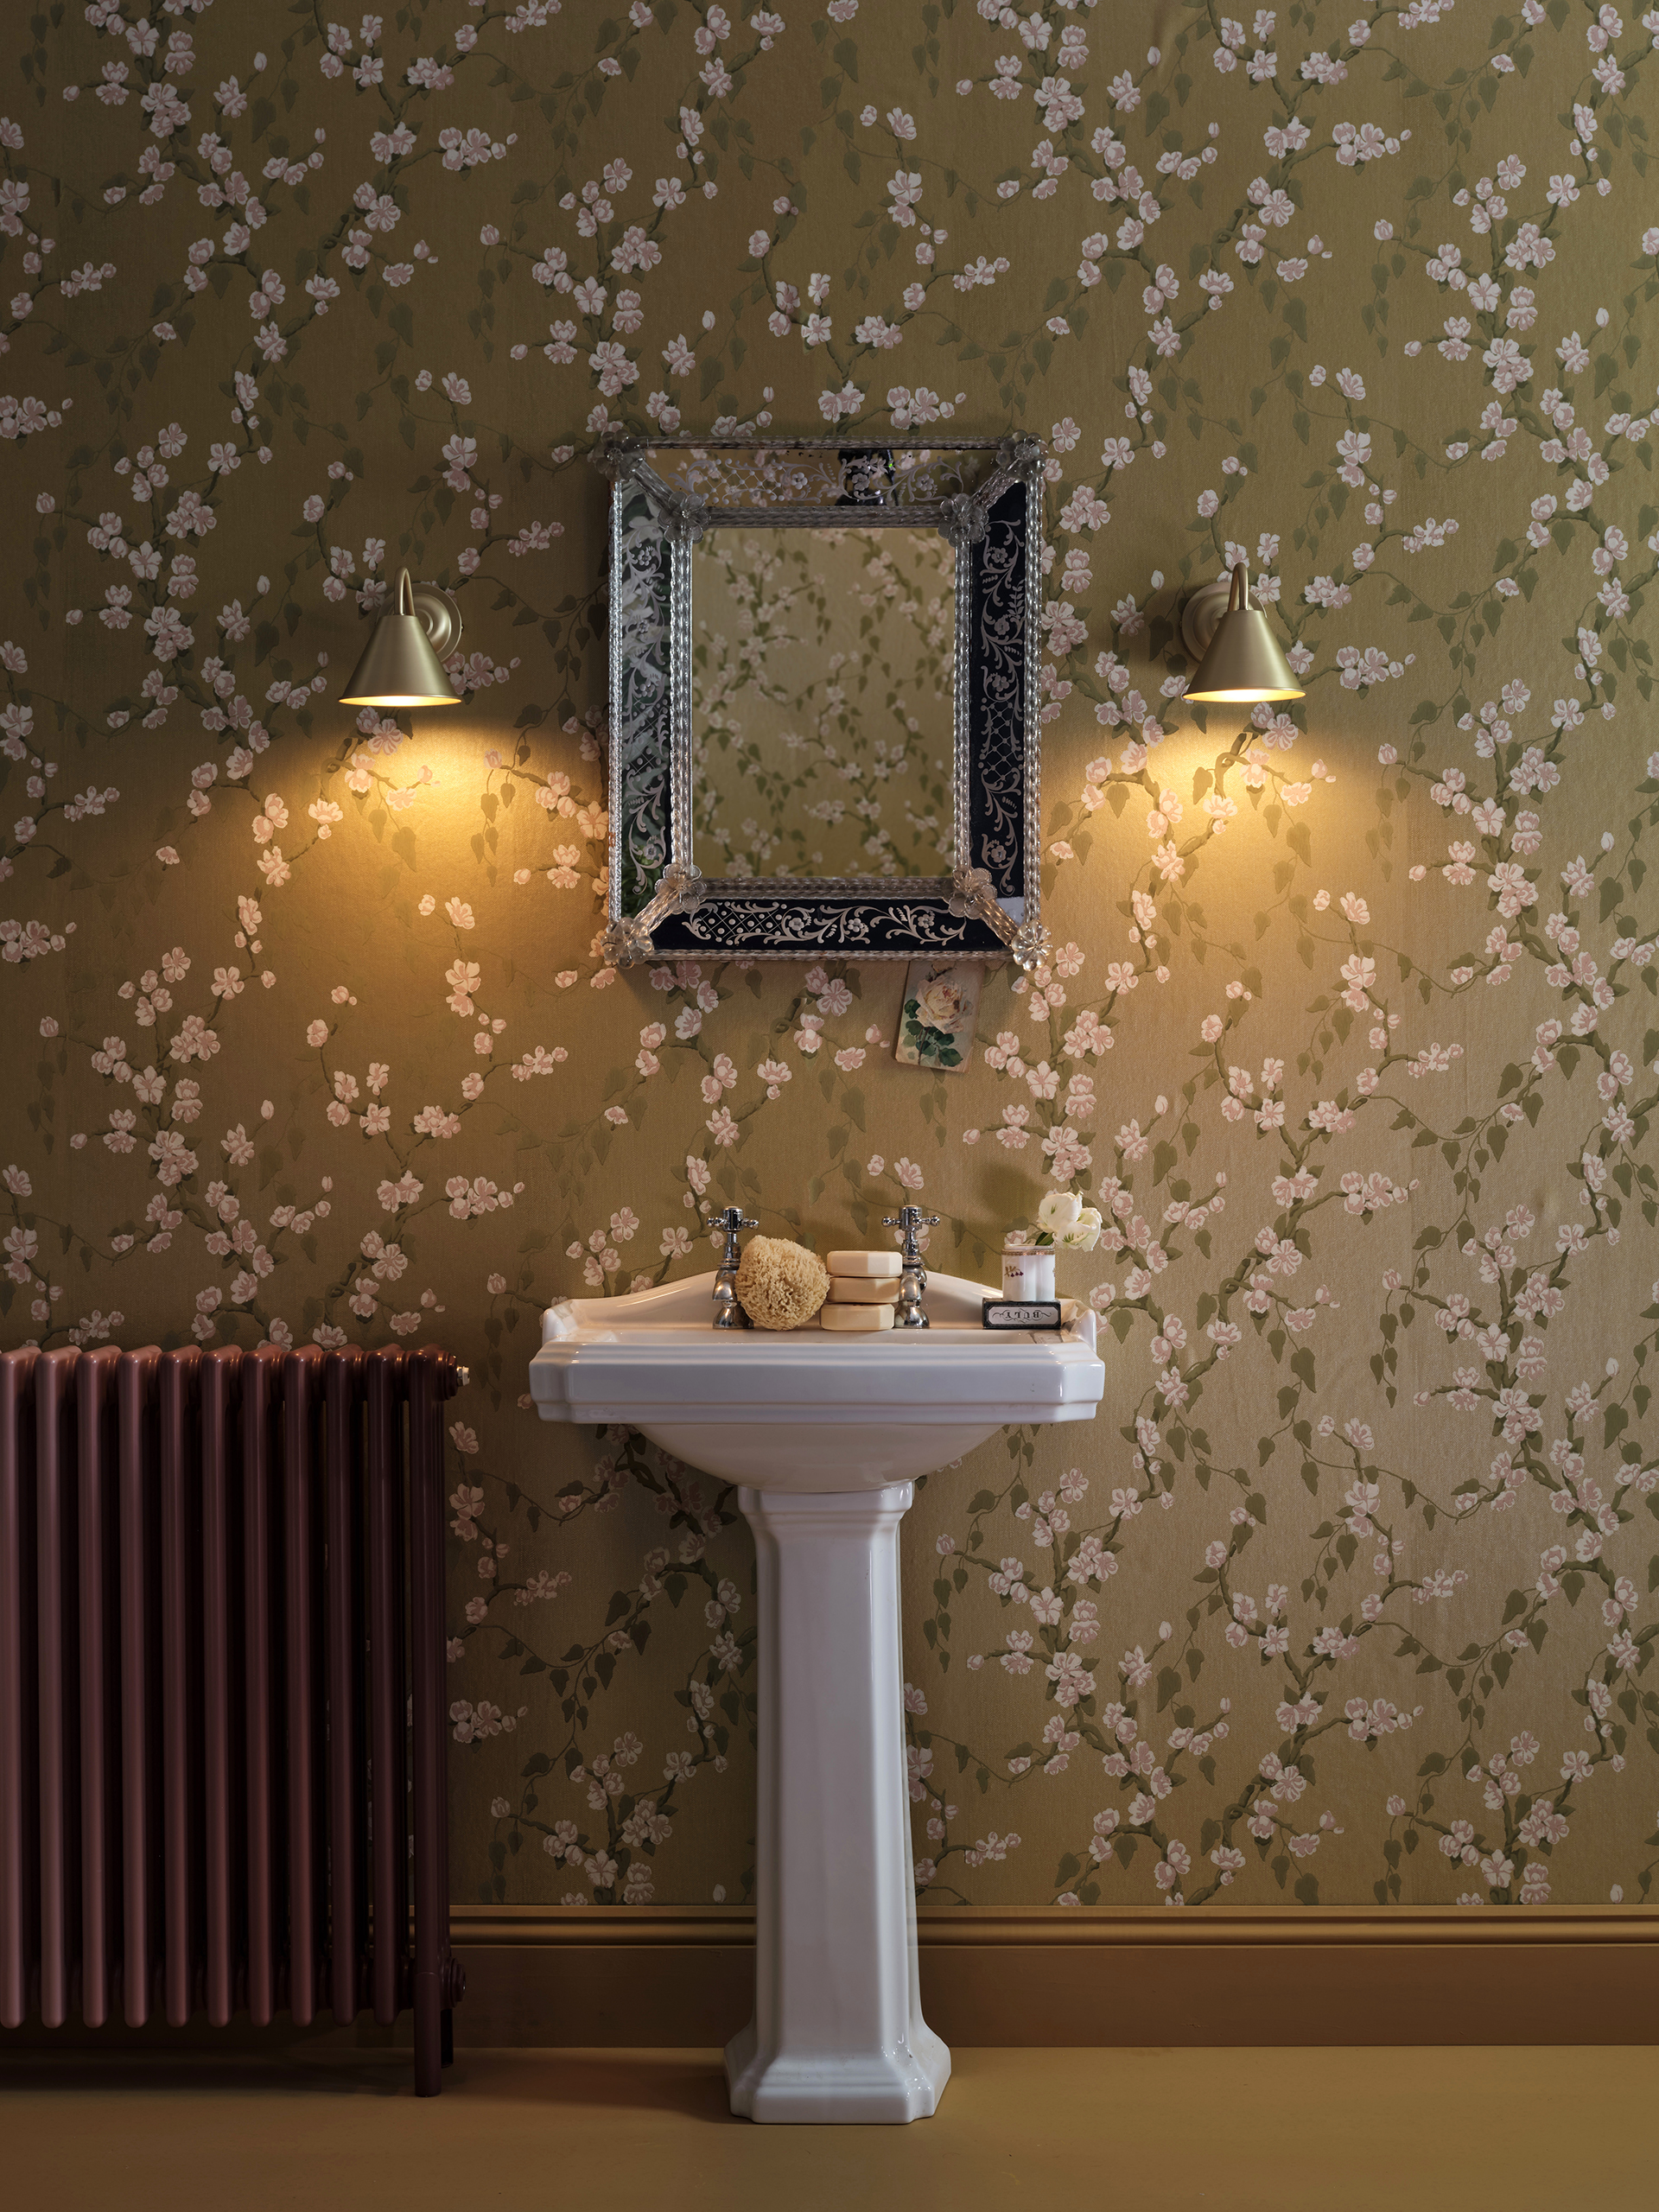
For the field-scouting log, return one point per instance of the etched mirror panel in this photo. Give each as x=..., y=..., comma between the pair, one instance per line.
x=822, y=703
x=748, y=477
x=641, y=718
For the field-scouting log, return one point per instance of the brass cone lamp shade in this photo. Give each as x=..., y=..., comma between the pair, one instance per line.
x=1242, y=665
x=398, y=667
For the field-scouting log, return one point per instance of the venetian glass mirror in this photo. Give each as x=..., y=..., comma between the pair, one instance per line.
x=823, y=727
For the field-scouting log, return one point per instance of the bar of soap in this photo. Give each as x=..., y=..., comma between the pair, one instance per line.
x=862, y=1290
x=846, y=1318
x=877, y=1266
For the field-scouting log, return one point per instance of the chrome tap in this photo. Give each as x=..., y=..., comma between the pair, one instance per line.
x=728, y=1314
x=908, y=1314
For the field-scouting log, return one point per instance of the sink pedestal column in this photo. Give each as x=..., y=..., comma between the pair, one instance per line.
x=837, y=2032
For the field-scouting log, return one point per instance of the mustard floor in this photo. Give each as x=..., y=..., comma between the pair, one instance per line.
x=1152, y=2130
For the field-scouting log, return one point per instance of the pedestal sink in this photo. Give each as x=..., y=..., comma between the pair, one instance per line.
x=823, y=1434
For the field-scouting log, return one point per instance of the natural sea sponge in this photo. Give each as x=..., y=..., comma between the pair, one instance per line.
x=780, y=1285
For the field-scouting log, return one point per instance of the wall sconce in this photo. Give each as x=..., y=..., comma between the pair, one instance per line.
x=402, y=664
x=1238, y=657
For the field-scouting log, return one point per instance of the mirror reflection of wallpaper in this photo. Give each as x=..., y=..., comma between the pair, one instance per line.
x=822, y=702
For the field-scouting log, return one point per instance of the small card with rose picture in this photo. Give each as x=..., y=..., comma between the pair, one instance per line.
x=937, y=1018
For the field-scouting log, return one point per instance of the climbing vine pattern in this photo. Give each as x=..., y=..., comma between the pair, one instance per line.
x=1348, y=1022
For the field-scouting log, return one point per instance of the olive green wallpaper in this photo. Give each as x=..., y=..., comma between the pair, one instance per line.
x=1348, y=1021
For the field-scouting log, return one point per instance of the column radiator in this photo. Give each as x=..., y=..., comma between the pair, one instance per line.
x=222, y=1733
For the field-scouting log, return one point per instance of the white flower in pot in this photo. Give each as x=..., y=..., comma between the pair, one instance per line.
x=1063, y=1220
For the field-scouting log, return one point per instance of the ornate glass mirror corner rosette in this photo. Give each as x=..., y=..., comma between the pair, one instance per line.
x=824, y=726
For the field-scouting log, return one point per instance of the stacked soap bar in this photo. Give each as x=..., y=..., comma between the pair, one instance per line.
x=863, y=1291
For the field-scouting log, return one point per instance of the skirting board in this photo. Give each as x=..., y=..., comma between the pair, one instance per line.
x=656, y=1975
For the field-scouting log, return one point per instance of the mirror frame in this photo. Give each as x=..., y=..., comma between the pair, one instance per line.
x=660, y=906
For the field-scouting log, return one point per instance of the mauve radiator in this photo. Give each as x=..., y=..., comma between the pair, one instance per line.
x=221, y=1688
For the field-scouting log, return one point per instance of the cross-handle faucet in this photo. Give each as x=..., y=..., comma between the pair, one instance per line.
x=728, y=1314
x=909, y=1219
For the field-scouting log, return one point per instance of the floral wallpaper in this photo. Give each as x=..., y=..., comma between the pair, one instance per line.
x=1349, y=1023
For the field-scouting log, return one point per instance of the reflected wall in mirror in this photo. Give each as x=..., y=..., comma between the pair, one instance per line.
x=822, y=703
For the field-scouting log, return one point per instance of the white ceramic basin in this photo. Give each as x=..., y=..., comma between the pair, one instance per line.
x=806, y=1410
x=823, y=1434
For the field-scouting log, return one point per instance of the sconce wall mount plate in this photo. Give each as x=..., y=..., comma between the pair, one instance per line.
x=1203, y=609
x=1240, y=661
x=402, y=664
x=440, y=617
